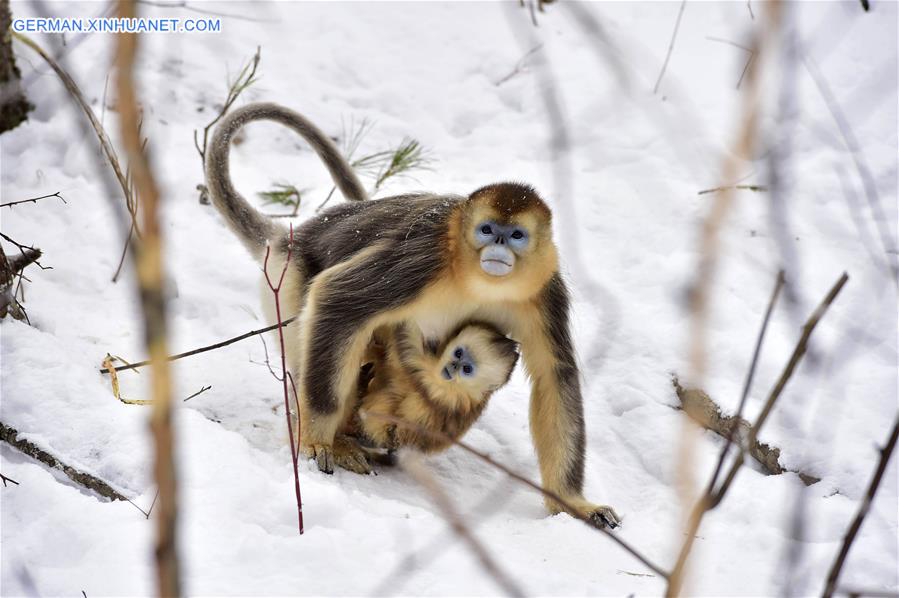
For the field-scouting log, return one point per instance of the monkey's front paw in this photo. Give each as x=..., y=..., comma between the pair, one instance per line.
x=323, y=455
x=349, y=455
x=604, y=516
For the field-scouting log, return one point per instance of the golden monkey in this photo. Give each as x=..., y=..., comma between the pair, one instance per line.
x=437, y=388
x=432, y=260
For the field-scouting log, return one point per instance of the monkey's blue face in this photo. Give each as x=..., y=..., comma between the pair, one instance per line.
x=461, y=364
x=499, y=245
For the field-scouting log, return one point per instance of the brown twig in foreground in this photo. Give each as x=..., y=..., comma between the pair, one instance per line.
x=415, y=468
x=757, y=188
x=713, y=497
x=33, y=200
x=294, y=440
x=527, y=482
x=150, y=276
x=863, y=509
x=219, y=345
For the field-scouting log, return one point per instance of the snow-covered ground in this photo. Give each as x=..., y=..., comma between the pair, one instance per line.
x=627, y=221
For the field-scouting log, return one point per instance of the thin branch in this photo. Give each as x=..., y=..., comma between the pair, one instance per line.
x=199, y=392
x=756, y=188
x=527, y=482
x=219, y=345
x=33, y=200
x=863, y=509
x=415, y=468
x=10, y=436
x=749, y=60
x=520, y=66
x=866, y=6
x=712, y=498
x=6, y=479
x=294, y=440
x=680, y=13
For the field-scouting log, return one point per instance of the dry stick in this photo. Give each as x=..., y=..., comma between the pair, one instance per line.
x=415, y=468
x=520, y=65
x=863, y=509
x=294, y=442
x=85, y=480
x=864, y=173
x=103, y=138
x=33, y=200
x=530, y=484
x=680, y=13
x=6, y=479
x=225, y=343
x=199, y=392
x=756, y=188
x=742, y=47
x=150, y=276
x=712, y=498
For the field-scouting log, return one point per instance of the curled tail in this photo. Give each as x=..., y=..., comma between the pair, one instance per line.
x=252, y=228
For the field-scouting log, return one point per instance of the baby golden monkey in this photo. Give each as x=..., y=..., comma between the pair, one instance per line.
x=433, y=260
x=439, y=389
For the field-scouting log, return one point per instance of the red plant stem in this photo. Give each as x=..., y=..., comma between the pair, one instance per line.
x=294, y=443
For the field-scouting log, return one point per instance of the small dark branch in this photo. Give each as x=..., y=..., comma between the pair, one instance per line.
x=225, y=343
x=85, y=480
x=199, y=392
x=749, y=6
x=525, y=481
x=749, y=51
x=861, y=592
x=520, y=66
x=294, y=439
x=756, y=188
x=245, y=79
x=32, y=200
x=118, y=270
x=6, y=479
x=863, y=509
x=26, y=250
x=533, y=13
x=150, y=510
x=680, y=13
x=865, y=5
x=415, y=468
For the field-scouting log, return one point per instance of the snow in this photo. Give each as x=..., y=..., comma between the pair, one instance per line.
x=627, y=224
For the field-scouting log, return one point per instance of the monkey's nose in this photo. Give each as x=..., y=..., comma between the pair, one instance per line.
x=446, y=373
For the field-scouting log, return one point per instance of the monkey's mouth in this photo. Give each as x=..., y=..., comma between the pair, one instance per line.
x=496, y=267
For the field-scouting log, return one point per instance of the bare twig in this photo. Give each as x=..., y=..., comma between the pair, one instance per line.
x=294, y=440
x=225, y=343
x=6, y=479
x=749, y=51
x=150, y=510
x=863, y=509
x=150, y=277
x=85, y=480
x=713, y=497
x=866, y=6
x=245, y=78
x=756, y=188
x=527, y=482
x=199, y=392
x=102, y=137
x=33, y=200
x=415, y=468
x=520, y=66
x=680, y=13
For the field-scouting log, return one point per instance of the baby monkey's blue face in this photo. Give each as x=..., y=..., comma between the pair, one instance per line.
x=460, y=364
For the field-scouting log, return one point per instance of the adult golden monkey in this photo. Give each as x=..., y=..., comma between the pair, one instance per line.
x=429, y=260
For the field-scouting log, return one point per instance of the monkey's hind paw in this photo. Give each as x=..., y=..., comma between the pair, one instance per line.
x=323, y=455
x=604, y=516
x=350, y=455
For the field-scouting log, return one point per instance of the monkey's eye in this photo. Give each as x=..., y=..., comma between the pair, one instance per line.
x=458, y=353
x=487, y=229
x=467, y=369
x=517, y=234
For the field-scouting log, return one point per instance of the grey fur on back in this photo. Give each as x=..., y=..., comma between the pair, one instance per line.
x=252, y=228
